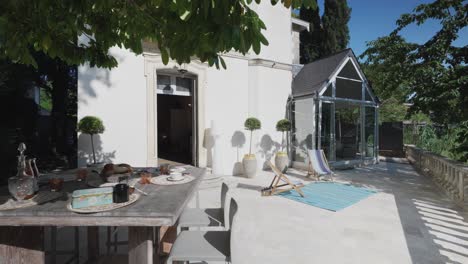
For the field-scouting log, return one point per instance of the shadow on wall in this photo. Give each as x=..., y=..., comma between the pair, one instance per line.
x=208, y=143
x=85, y=152
x=268, y=148
x=300, y=148
x=89, y=78
x=238, y=141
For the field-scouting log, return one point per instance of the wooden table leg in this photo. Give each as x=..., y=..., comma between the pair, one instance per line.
x=22, y=245
x=140, y=245
x=93, y=243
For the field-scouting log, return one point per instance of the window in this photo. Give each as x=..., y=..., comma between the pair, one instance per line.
x=349, y=71
x=174, y=85
x=164, y=84
x=348, y=89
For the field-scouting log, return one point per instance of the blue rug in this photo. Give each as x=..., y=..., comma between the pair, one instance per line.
x=329, y=195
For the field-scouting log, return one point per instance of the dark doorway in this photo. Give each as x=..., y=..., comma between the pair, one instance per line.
x=176, y=119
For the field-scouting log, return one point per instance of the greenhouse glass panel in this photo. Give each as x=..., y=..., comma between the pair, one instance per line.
x=370, y=131
x=303, y=128
x=347, y=131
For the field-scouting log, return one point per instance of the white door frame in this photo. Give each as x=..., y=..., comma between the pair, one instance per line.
x=153, y=63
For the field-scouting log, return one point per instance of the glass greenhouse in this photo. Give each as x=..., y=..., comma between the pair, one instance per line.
x=333, y=108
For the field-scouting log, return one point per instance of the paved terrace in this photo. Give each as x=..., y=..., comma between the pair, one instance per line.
x=408, y=221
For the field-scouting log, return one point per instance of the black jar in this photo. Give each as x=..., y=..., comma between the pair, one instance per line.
x=120, y=194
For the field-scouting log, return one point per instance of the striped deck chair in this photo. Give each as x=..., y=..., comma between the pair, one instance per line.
x=318, y=164
x=280, y=180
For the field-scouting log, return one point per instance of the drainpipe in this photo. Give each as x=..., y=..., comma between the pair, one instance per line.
x=289, y=149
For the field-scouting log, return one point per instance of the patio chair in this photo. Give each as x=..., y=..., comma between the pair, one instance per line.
x=211, y=218
x=318, y=164
x=275, y=186
x=205, y=245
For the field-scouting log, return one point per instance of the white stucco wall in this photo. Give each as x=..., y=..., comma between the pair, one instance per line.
x=278, y=33
x=116, y=96
x=271, y=90
x=227, y=104
x=120, y=98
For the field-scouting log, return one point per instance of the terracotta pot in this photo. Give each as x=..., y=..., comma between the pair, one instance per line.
x=281, y=161
x=249, y=163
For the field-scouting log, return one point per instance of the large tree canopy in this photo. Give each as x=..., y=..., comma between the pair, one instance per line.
x=327, y=35
x=432, y=75
x=335, y=24
x=311, y=41
x=181, y=28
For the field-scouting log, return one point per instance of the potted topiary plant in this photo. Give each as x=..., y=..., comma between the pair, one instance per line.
x=281, y=159
x=91, y=125
x=249, y=161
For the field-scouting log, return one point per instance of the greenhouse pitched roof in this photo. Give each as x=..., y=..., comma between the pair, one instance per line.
x=313, y=75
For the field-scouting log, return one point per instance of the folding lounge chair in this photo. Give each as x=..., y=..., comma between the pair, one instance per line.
x=275, y=186
x=318, y=164
x=203, y=246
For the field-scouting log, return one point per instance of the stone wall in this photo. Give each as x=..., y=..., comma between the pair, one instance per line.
x=451, y=176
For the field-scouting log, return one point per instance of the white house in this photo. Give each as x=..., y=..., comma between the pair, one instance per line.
x=154, y=111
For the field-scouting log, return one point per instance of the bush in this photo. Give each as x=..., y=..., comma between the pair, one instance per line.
x=91, y=125
x=284, y=125
x=451, y=142
x=252, y=124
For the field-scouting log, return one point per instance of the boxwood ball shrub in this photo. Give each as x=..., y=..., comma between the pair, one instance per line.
x=252, y=124
x=91, y=125
x=283, y=125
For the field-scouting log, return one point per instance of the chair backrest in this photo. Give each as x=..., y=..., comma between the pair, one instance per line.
x=233, y=208
x=318, y=161
x=224, y=191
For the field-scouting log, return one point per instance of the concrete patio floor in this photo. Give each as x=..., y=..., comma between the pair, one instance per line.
x=407, y=221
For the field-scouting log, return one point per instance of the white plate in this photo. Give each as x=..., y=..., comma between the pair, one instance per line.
x=179, y=179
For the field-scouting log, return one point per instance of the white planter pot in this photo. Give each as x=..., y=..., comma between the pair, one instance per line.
x=250, y=166
x=282, y=161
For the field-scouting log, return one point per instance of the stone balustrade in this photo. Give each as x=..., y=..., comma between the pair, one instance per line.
x=451, y=176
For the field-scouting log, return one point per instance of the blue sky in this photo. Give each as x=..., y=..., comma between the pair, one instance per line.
x=371, y=19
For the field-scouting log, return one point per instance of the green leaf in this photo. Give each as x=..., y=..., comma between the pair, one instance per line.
x=164, y=56
x=186, y=15
x=263, y=40
x=223, y=63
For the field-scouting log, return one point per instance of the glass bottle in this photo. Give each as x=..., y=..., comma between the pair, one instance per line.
x=31, y=173
x=21, y=186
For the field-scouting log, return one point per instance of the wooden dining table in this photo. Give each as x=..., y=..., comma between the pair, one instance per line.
x=22, y=230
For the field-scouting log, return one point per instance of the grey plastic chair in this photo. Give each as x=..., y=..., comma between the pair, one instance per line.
x=205, y=217
x=205, y=245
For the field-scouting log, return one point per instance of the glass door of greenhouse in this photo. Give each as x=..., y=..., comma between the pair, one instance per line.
x=325, y=135
x=340, y=130
x=348, y=131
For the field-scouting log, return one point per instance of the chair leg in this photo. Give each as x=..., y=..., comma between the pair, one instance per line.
x=116, y=239
x=53, y=236
x=77, y=244
x=108, y=244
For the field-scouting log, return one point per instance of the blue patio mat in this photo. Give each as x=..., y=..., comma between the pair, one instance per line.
x=329, y=195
